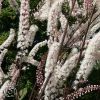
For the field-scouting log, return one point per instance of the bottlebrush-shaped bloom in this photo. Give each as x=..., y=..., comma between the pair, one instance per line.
x=40, y=71
x=23, y=25
x=89, y=59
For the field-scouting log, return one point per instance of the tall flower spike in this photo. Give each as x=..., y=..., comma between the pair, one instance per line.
x=9, y=85
x=4, y=49
x=32, y=32
x=1, y=60
x=50, y=66
x=89, y=59
x=40, y=71
x=23, y=28
x=9, y=40
x=67, y=68
x=53, y=16
x=42, y=14
x=53, y=90
x=33, y=52
x=61, y=74
x=82, y=91
x=2, y=90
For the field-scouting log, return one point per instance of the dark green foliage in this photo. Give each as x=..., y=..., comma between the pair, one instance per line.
x=3, y=37
x=72, y=20
x=26, y=82
x=10, y=57
x=65, y=9
x=80, y=2
x=8, y=17
x=34, y=3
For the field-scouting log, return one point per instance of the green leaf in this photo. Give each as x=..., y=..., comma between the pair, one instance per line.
x=3, y=37
x=23, y=93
